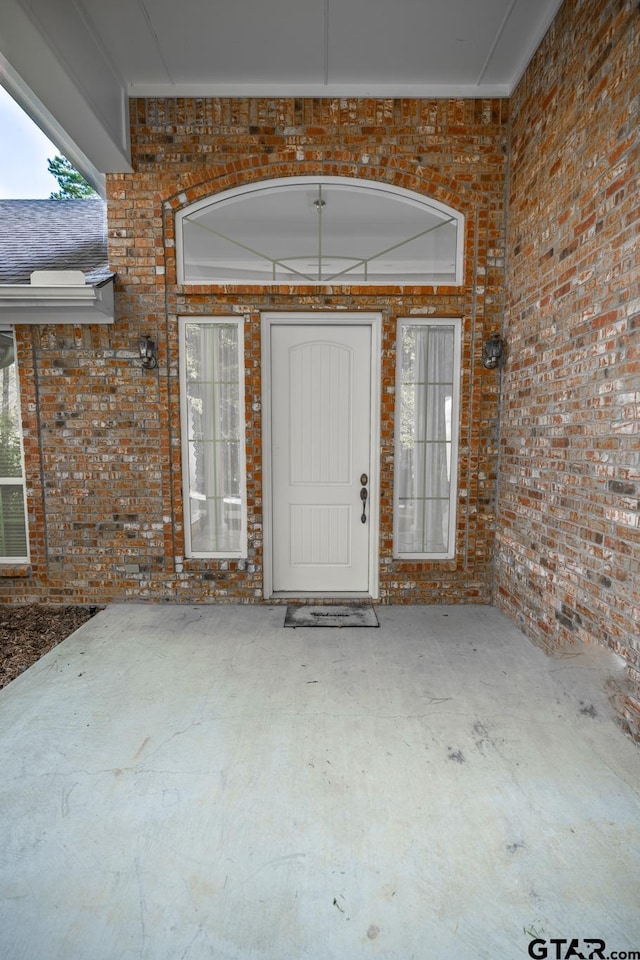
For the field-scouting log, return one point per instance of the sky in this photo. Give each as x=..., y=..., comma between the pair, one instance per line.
x=24, y=151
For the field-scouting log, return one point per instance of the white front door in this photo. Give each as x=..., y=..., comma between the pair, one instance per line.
x=320, y=457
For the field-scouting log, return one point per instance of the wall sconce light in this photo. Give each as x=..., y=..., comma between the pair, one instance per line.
x=148, y=353
x=7, y=353
x=492, y=351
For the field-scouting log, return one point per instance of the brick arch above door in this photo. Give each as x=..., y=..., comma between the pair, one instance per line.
x=464, y=196
x=409, y=173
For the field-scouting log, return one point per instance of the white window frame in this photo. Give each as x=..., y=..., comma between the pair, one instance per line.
x=343, y=275
x=22, y=480
x=402, y=324
x=238, y=322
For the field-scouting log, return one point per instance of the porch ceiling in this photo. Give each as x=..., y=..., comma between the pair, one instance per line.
x=72, y=66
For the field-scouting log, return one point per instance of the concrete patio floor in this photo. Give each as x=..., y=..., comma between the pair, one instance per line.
x=188, y=782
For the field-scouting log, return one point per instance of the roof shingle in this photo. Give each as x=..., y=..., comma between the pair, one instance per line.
x=53, y=235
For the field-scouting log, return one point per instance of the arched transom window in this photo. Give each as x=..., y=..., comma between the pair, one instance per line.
x=319, y=230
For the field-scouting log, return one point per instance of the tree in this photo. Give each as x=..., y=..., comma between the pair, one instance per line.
x=72, y=184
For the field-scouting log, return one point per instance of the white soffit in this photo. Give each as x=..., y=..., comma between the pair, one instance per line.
x=421, y=48
x=57, y=70
x=72, y=65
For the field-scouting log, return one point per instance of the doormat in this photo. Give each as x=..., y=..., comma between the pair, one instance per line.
x=331, y=615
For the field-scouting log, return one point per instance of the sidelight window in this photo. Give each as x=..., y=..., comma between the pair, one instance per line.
x=427, y=402
x=212, y=375
x=13, y=522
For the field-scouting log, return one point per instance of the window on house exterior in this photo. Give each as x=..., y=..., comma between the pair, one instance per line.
x=13, y=518
x=212, y=377
x=427, y=412
x=319, y=230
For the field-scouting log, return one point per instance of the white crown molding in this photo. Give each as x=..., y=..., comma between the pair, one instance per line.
x=317, y=90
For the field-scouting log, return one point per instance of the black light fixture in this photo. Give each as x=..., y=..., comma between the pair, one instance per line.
x=492, y=351
x=148, y=353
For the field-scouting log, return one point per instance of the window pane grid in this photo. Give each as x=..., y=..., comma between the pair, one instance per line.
x=13, y=522
x=425, y=438
x=319, y=230
x=13, y=530
x=213, y=423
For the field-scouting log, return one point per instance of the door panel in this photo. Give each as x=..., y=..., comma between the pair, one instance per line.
x=320, y=385
x=321, y=408
x=320, y=534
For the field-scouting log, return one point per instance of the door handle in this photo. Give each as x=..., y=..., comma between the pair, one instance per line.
x=363, y=497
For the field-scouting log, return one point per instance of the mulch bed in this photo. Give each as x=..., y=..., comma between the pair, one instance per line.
x=29, y=631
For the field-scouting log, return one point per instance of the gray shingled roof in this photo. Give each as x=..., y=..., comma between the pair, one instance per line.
x=53, y=235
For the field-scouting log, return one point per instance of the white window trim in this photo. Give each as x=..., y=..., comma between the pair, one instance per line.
x=456, y=323
x=242, y=553
x=14, y=481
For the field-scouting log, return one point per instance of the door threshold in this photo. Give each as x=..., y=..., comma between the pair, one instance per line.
x=319, y=595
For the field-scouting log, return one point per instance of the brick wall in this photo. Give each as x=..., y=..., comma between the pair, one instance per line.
x=568, y=552
x=103, y=435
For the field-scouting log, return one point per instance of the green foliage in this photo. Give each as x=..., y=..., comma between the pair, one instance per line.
x=72, y=184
